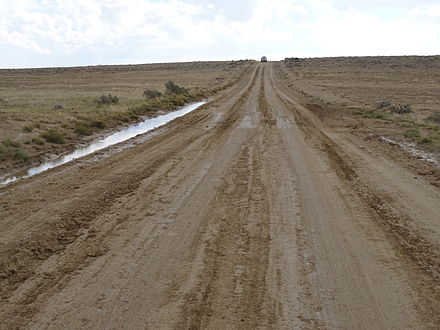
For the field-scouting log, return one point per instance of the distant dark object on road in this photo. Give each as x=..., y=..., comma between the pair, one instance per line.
x=264, y=59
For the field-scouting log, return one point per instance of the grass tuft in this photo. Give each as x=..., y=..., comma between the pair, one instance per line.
x=412, y=133
x=151, y=94
x=97, y=124
x=383, y=105
x=28, y=128
x=426, y=140
x=172, y=88
x=21, y=154
x=37, y=141
x=53, y=136
x=406, y=124
x=2, y=152
x=82, y=129
x=375, y=115
x=108, y=99
x=435, y=117
x=8, y=143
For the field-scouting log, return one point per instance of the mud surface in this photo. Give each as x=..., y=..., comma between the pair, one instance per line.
x=105, y=142
x=251, y=212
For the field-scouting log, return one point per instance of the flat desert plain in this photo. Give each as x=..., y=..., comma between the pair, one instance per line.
x=304, y=195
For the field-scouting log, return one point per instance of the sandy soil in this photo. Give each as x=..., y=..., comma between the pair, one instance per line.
x=255, y=211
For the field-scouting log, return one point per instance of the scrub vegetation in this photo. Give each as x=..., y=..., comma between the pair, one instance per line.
x=50, y=110
x=394, y=97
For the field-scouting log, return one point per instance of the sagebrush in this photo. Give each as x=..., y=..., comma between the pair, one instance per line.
x=172, y=88
x=435, y=117
x=152, y=93
x=108, y=99
x=53, y=136
x=401, y=108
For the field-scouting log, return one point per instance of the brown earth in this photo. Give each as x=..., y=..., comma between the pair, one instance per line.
x=260, y=210
x=357, y=86
x=29, y=97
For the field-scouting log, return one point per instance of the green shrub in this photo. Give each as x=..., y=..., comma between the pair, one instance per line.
x=97, y=124
x=197, y=95
x=168, y=102
x=37, y=141
x=28, y=128
x=121, y=117
x=435, y=117
x=82, y=129
x=412, y=133
x=375, y=115
x=406, y=124
x=152, y=94
x=53, y=136
x=21, y=154
x=426, y=140
x=108, y=99
x=2, y=152
x=172, y=88
x=8, y=143
x=383, y=104
x=139, y=110
x=178, y=100
x=401, y=108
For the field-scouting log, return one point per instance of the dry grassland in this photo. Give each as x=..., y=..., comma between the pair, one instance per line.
x=50, y=110
x=374, y=90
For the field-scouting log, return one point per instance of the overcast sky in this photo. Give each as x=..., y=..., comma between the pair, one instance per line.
x=37, y=33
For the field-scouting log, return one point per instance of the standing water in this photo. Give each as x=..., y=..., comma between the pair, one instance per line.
x=125, y=134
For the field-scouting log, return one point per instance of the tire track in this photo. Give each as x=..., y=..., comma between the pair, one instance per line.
x=19, y=260
x=415, y=244
x=403, y=232
x=232, y=289
x=230, y=217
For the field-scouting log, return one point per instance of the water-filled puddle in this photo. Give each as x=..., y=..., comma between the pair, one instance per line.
x=412, y=149
x=123, y=135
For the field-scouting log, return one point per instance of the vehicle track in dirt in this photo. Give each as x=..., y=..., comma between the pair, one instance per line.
x=248, y=213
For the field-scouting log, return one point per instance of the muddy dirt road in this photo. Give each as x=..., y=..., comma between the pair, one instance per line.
x=249, y=213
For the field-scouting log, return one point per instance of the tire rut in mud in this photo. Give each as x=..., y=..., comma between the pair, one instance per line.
x=20, y=260
x=408, y=239
x=232, y=287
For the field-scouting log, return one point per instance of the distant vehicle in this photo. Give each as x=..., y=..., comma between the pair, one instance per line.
x=264, y=59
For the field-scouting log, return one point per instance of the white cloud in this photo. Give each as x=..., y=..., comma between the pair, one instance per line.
x=432, y=11
x=168, y=30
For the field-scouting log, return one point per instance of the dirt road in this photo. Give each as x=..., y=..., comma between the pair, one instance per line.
x=249, y=213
